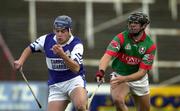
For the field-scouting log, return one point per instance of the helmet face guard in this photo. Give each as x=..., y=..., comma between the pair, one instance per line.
x=138, y=18
x=63, y=22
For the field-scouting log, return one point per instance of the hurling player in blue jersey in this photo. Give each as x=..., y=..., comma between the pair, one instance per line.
x=63, y=53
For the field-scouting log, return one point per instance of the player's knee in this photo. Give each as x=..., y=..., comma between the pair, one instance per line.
x=120, y=103
x=80, y=107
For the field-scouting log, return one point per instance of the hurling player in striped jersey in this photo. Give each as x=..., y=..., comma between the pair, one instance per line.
x=132, y=53
x=64, y=58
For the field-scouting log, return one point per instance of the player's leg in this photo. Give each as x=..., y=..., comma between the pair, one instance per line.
x=119, y=94
x=78, y=93
x=79, y=98
x=140, y=93
x=57, y=105
x=142, y=102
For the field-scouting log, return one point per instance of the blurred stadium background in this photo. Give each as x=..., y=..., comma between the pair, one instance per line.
x=96, y=22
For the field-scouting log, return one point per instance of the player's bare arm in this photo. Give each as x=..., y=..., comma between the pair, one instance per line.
x=103, y=64
x=136, y=76
x=19, y=63
x=132, y=77
x=73, y=65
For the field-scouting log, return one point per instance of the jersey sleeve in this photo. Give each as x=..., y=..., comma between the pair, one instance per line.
x=77, y=53
x=115, y=45
x=38, y=44
x=148, y=58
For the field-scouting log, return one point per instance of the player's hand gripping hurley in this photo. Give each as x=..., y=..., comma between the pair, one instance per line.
x=22, y=73
x=92, y=96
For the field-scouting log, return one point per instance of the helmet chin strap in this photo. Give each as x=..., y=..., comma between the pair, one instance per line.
x=70, y=33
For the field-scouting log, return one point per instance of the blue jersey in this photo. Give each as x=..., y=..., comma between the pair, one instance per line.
x=58, y=71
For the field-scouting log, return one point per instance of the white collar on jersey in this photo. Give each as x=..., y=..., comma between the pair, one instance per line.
x=68, y=42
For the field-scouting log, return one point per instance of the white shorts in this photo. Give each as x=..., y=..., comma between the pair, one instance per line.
x=61, y=91
x=139, y=87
